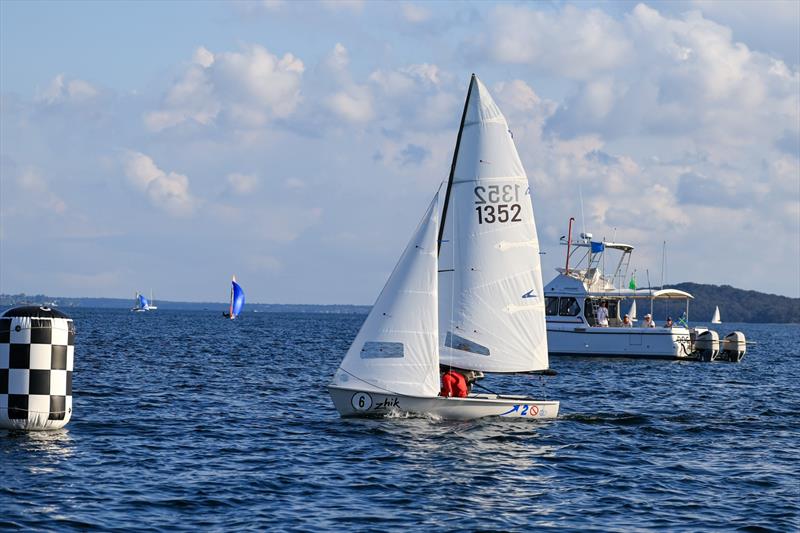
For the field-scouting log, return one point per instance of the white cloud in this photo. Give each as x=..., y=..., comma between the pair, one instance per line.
x=573, y=42
x=242, y=183
x=415, y=14
x=169, y=192
x=354, y=104
x=42, y=196
x=248, y=88
x=66, y=90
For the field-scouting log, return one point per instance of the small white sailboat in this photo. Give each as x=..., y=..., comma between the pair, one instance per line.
x=152, y=305
x=237, y=300
x=632, y=312
x=466, y=293
x=715, y=319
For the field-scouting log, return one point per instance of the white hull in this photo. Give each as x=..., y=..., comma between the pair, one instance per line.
x=646, y=343
x=356, y=403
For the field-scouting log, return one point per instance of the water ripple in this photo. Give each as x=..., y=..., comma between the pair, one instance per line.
x=183, y=420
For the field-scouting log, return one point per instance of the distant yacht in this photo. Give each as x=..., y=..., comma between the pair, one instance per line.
x=715, y=319
x=151, y=306
x=583, y=308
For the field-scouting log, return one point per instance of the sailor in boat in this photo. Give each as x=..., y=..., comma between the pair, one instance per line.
x=648, y=321
x=626, y=321
x=457, y=382
x=668, y=323
x=602, y=315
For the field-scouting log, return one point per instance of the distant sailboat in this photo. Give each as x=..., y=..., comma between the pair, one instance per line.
x=715, y=319
x=632, y=312
x=237, y=300
x=152, y=305
x=140, y=303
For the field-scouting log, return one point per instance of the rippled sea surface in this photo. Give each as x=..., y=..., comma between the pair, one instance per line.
x=184, y=420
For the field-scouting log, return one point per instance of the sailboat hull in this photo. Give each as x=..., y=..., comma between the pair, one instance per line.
x=368, y=404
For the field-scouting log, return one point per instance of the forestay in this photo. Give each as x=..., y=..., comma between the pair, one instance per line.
x=396, y=348
x=491, y=310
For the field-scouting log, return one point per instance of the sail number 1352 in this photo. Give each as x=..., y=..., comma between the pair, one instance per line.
x=498, y=203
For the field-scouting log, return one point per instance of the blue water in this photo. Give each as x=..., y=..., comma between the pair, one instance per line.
x=184, y=420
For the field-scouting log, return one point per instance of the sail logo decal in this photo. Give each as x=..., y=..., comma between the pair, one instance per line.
x=522, y=410
x=529, y=294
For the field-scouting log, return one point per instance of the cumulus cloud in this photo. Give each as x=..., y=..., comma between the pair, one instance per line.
x=415, y=14
x=32, y=181
x=167, y=191
x=62, y=89
x=249, y=88
x=353, y=104
x=242, y=183
x=573, y=42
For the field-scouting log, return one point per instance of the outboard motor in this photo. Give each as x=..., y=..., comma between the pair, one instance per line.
x=733, y=347
x=707, y=345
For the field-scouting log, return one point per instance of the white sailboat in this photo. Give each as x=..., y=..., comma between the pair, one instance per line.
x=465, y=294
x=715, y=319
x=152, y=306
x=632, y=312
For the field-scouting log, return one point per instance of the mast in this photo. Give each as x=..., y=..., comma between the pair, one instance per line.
x=230, y=311
x=453, y=165
x=569, y=242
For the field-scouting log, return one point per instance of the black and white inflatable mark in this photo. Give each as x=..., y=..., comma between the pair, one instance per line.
x=37, y=346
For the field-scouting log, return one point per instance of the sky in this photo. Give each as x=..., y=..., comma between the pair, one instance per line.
x=167, y=146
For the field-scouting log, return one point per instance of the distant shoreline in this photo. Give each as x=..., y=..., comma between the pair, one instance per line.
x=736, y=305
x=8, y=300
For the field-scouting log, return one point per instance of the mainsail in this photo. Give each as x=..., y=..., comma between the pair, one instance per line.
x=491, y=310
x=396, y=349
x=142, y=302
x=716, y=318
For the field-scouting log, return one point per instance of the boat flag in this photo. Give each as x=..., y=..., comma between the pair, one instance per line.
x=632, y=284
x=598, y=247
x=682, y=320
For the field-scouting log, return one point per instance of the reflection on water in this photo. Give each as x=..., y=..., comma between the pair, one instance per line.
x=56, y=445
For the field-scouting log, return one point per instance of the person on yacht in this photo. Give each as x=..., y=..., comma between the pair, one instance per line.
x=668, y=323
x=602, y=315
x=648, y=321
x=626, y=322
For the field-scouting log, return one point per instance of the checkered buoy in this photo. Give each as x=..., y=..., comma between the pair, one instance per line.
x=36, y=357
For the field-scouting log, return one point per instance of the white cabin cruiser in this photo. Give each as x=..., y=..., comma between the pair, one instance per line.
x=572, y=306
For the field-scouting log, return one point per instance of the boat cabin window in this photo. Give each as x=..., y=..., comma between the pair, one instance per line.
x=380, y=350
x=590, y=306
x=569, y=307
x=551, y=305
x=458, y=342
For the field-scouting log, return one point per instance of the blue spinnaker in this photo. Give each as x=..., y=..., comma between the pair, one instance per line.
x=143, y=303
x=238, y=300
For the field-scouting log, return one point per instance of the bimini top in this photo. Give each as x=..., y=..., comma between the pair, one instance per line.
x=662, y=294
x=564, y=285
